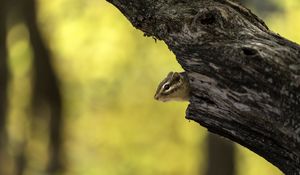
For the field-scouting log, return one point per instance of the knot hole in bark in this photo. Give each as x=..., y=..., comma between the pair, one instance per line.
x=249, y=51
x=208, y=18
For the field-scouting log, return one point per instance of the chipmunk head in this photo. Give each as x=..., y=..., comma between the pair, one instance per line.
x=174, y=87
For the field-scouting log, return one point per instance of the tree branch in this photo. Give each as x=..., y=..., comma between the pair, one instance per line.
x=245, y=79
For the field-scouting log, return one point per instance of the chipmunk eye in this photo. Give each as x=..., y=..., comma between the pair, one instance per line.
x=166, y=87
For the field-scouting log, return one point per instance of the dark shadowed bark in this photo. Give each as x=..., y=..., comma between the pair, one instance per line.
x=3, y=88
x=245, y=79
x=221, y=153
x=46, y=87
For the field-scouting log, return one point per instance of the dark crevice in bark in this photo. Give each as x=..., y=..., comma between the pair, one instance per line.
x=249, y=51
x=208, y=19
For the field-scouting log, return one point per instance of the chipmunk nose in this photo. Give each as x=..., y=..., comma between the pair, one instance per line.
x=156, y=97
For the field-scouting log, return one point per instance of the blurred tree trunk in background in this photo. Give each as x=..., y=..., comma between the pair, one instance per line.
x=3, y=89
x=221, y=156
x=263, y=8
x=46, y=92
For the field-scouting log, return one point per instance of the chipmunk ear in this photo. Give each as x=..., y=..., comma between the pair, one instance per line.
x=170, y=74
x=176, y=76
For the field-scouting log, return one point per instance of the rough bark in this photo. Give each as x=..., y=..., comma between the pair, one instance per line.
x=245, y=79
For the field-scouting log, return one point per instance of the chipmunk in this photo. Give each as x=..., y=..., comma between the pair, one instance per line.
x=175, y=87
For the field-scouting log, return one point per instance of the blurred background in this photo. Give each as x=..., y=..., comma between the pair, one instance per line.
x=76, y=95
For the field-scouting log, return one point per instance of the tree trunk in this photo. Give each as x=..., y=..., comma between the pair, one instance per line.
x=4, y=77
x=221, y=156
x=245, y=79
x=46, y=88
